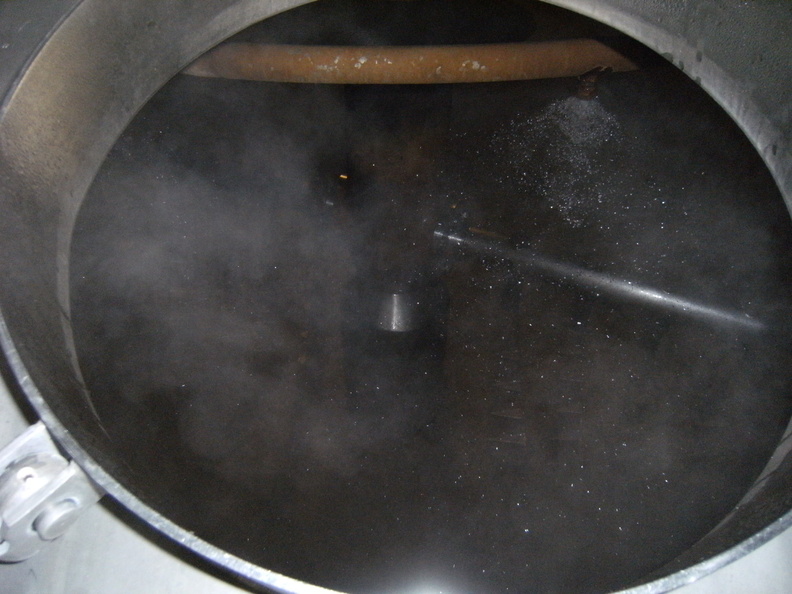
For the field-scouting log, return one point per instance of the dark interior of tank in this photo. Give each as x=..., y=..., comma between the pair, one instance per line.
x=454, y=338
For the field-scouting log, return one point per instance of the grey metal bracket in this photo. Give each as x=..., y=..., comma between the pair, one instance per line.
x=41, y=494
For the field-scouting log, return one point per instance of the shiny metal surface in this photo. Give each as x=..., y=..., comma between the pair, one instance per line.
x=596, y=282
x=397, y=313
x=53, y=144
x=41, y=494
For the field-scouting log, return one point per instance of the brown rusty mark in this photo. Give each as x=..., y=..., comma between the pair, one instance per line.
x=408, y=65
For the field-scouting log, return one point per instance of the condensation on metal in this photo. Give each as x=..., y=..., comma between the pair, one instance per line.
x=644, y=21
x=743, y=77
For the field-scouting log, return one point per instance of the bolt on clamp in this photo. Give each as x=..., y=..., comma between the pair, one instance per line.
x=41, y=494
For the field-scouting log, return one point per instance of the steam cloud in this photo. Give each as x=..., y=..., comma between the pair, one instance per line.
x=214, y=255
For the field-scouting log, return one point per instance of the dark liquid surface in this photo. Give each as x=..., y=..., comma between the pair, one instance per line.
x=528, y=435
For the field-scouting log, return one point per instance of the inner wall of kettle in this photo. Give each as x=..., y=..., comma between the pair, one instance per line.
x=385, y=338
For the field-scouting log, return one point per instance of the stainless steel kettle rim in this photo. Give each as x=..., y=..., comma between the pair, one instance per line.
x=52, y=143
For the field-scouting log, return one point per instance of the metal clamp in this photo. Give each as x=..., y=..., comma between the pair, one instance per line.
x=41, y=494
